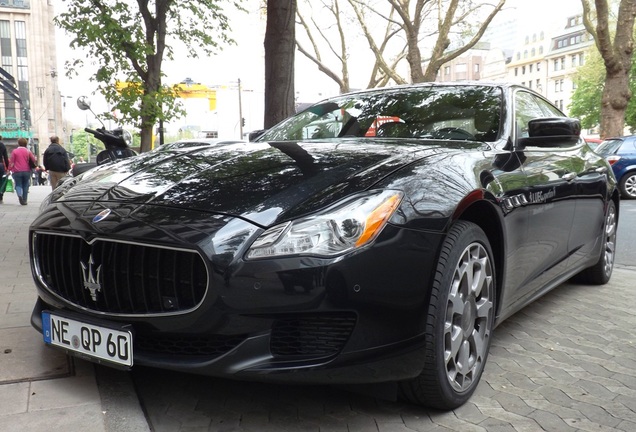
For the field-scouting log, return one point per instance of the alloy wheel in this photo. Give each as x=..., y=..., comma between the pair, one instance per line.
x=468, y=314
x=610, y=239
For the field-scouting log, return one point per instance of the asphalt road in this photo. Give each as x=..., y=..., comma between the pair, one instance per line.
x=565, y=363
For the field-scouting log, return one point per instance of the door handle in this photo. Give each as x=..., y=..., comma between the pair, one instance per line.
x=601, y=170
x=569, y=176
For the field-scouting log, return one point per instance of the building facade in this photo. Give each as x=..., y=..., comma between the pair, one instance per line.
x=567, y=53
x=545, y=60
x=31, y=103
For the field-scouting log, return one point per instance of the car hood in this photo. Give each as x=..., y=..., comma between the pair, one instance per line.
x=260, y=182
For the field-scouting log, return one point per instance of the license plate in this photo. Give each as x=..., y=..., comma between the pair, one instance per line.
x=94, y=341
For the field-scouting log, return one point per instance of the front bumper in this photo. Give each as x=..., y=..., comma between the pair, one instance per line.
x=252, y=359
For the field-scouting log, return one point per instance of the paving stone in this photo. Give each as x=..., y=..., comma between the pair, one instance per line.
x=550, y=421
x=514, y=404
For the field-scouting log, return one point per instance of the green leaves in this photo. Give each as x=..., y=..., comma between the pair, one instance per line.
x=127, y=41
x=586, y=100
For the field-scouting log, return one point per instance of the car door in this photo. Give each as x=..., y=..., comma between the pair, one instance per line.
x=589, y=213
x=550, y=201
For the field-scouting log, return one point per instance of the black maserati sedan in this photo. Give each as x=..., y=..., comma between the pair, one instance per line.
x=375, y=237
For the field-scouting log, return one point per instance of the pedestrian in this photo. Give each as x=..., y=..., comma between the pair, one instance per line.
x=4, y=168
x=20, y=166
x=41, y=175
x=56, y=161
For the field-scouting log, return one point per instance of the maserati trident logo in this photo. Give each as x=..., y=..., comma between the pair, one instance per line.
x=91, y=277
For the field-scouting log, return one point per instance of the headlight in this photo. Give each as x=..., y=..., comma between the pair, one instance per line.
x=349, y=225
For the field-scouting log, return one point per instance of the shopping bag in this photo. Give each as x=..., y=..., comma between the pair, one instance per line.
x=9, y=184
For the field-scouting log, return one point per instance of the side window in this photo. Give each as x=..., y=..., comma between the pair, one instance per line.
x=548, y=110
x=526, y=108
x=552, y=133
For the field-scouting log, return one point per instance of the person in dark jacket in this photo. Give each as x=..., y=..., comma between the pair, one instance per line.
x=56, y=161
x=4, y=168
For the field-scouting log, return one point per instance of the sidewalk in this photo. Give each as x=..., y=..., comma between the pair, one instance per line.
x=41, y=388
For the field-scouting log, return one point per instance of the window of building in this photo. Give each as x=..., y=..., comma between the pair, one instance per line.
x=476, y=68
x=581, y=59
x=538, y=84
x=516, y=71
x=530, y=68
x=538, y=66
x=447, y=70
x=22, y=63
x=6, y=51
x=461, y=68
x=523, y=70
x=562, y=63
x=518, y=56
x=533, y=52
x=525, y=54
x=560, y=85
x=529, y=84
x=556, y=64
x=541, y=50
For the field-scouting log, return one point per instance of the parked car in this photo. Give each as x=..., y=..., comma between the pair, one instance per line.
x=378, y=236
x=621, y=155
x=593, y=142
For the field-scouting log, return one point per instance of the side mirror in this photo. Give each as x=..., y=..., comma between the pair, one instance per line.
x=253, y=136
x=552, y=132
x=83, y=103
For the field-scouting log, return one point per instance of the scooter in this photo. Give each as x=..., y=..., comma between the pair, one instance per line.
x=116, y=142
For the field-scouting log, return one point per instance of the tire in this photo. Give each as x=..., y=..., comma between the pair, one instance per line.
x=601, y=272
x=627, y=185
x=459, y=321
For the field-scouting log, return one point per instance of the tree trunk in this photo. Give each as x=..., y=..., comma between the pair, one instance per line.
x=617, y=56
x=616, y=96
x=280, y=38
x=414, y=57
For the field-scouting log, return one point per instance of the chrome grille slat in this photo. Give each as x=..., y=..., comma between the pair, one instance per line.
x=135, y=279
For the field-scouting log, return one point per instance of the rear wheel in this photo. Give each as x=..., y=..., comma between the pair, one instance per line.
x=459, y=321
x=627, y=185
x=601, y=272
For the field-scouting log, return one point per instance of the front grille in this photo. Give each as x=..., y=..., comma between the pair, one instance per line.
x=314, y=335
x=120, y=278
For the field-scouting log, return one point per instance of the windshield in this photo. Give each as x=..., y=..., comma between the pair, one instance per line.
x=433, y=112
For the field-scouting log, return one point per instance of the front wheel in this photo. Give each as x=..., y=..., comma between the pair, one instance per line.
x=459, y=321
